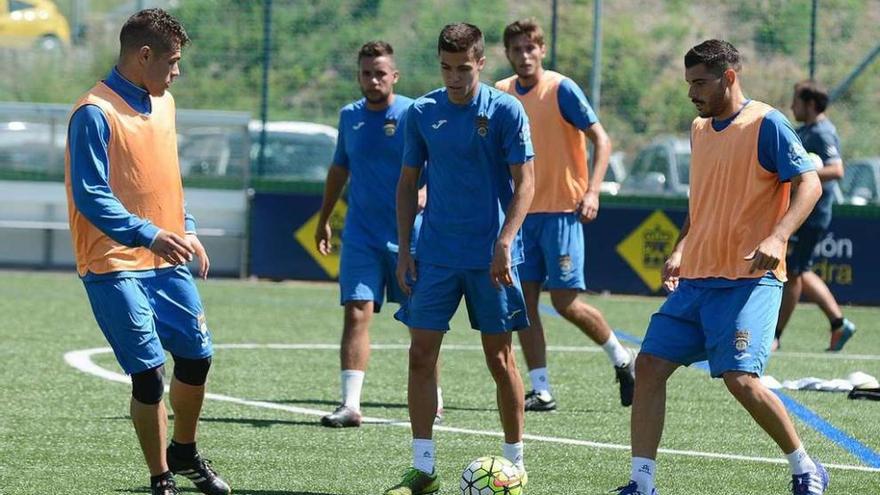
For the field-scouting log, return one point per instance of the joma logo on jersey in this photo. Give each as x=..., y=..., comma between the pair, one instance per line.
x=482, y=123
x=358, y=125
x=390, y=127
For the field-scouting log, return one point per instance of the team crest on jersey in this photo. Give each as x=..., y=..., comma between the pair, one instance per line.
x=482, y=125
x=566, y=267
x=390, y=127
x=741, y=340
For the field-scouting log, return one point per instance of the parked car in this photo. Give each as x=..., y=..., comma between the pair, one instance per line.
x=660, y=169
x=29, y=23
x=860, y=184
x=294, y=151
x=32, y=147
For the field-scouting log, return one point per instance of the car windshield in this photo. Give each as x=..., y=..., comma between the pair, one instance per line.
x=683, y=164
x=293, y=156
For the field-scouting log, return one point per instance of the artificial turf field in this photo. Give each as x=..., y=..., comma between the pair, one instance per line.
x=63, y=430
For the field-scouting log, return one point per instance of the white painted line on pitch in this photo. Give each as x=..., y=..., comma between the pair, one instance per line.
x=82, y=360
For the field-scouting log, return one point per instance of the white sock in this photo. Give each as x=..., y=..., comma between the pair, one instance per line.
x=800, y=462
x=540, y=380
x=513, y=452
x=643, y=470
x=618, y=354
x=352, y=383
x=423, y=455
x=439, y=399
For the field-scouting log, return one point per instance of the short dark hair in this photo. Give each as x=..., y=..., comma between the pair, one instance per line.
x=809, y=90
x=716, y=55
x=461, y=37
x=375, y=48
x=526, y=27
x=155, y=28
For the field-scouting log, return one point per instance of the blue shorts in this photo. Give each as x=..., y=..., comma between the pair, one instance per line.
x=801, y=247
x=553, y=247
x=367, y=273
x=438, y=291
x=732, y=327
x=141, y=316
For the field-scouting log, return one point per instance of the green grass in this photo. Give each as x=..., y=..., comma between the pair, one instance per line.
x=64, y=431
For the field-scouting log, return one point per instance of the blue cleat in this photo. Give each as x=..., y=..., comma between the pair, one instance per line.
x=632, y=488
x=841, y=335
x=810, y=483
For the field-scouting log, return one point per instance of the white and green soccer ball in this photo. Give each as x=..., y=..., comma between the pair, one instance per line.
x=491, y=475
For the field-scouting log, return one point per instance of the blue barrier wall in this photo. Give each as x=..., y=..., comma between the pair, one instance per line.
x=626, y=245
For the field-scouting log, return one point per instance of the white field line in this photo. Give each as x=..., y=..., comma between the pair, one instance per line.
x=82, y=360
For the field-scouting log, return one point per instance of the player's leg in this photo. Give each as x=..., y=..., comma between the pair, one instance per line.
x=122, y=311
x=183, y=329
x=501, y=361
x=673, y=338
x=816, y=290
x=739, y=322
x=534, y=348
x=361, y=288
x=798, y=262
x=395, y=294
x=434, y=299
x=495, y=313
x=532, y=274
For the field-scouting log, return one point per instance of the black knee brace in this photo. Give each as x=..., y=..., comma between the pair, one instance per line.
x=148, y=386
x=192, y=371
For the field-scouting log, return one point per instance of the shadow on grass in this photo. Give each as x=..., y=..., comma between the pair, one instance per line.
x=236, y=490
x=256, y=423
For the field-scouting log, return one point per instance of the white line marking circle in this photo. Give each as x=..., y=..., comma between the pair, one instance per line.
x=82, y=360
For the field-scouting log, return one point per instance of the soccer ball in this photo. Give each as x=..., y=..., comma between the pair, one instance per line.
x=491, y=475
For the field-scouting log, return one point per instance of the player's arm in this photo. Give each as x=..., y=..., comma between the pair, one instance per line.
x=780, y=151
x=671, y=268
x=523, y=191
x=409, y=187
x=588, y=208
x=832, y=163
x=337, y=176
x=88, y=135
x=576, y=110
x=189, y=228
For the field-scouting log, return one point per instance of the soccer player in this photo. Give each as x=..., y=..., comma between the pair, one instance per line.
x=752, y=185
x=132, y=238
x=369, y=150
x=820, y=137
x=561, y=121
x=475, y=140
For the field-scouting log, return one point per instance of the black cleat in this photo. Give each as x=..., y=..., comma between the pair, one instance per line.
x=165, y=486
x=199, y=471
x=540, y=401
x=626, y=377
x=342, y=417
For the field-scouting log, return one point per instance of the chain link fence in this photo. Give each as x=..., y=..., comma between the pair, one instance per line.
x=312, y=50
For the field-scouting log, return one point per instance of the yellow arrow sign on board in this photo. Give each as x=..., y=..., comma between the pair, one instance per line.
x=305, y=235
x=647, y=247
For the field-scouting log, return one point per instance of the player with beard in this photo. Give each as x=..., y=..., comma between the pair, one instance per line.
x=369, y=151
x=752, y=186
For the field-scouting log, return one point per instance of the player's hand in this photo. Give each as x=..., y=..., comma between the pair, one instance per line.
x=767, y=255
x=323, y=234
x=671, y=271
x=500, y=270
x=172, y=248
x=406, y=271
x=202, y=254
x=588, y=207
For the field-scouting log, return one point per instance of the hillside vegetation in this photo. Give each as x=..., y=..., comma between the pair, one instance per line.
x=643, y=93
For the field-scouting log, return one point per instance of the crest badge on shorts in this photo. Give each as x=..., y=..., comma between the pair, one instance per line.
x=390, y=127
x=741, y=340
x=482, y=125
